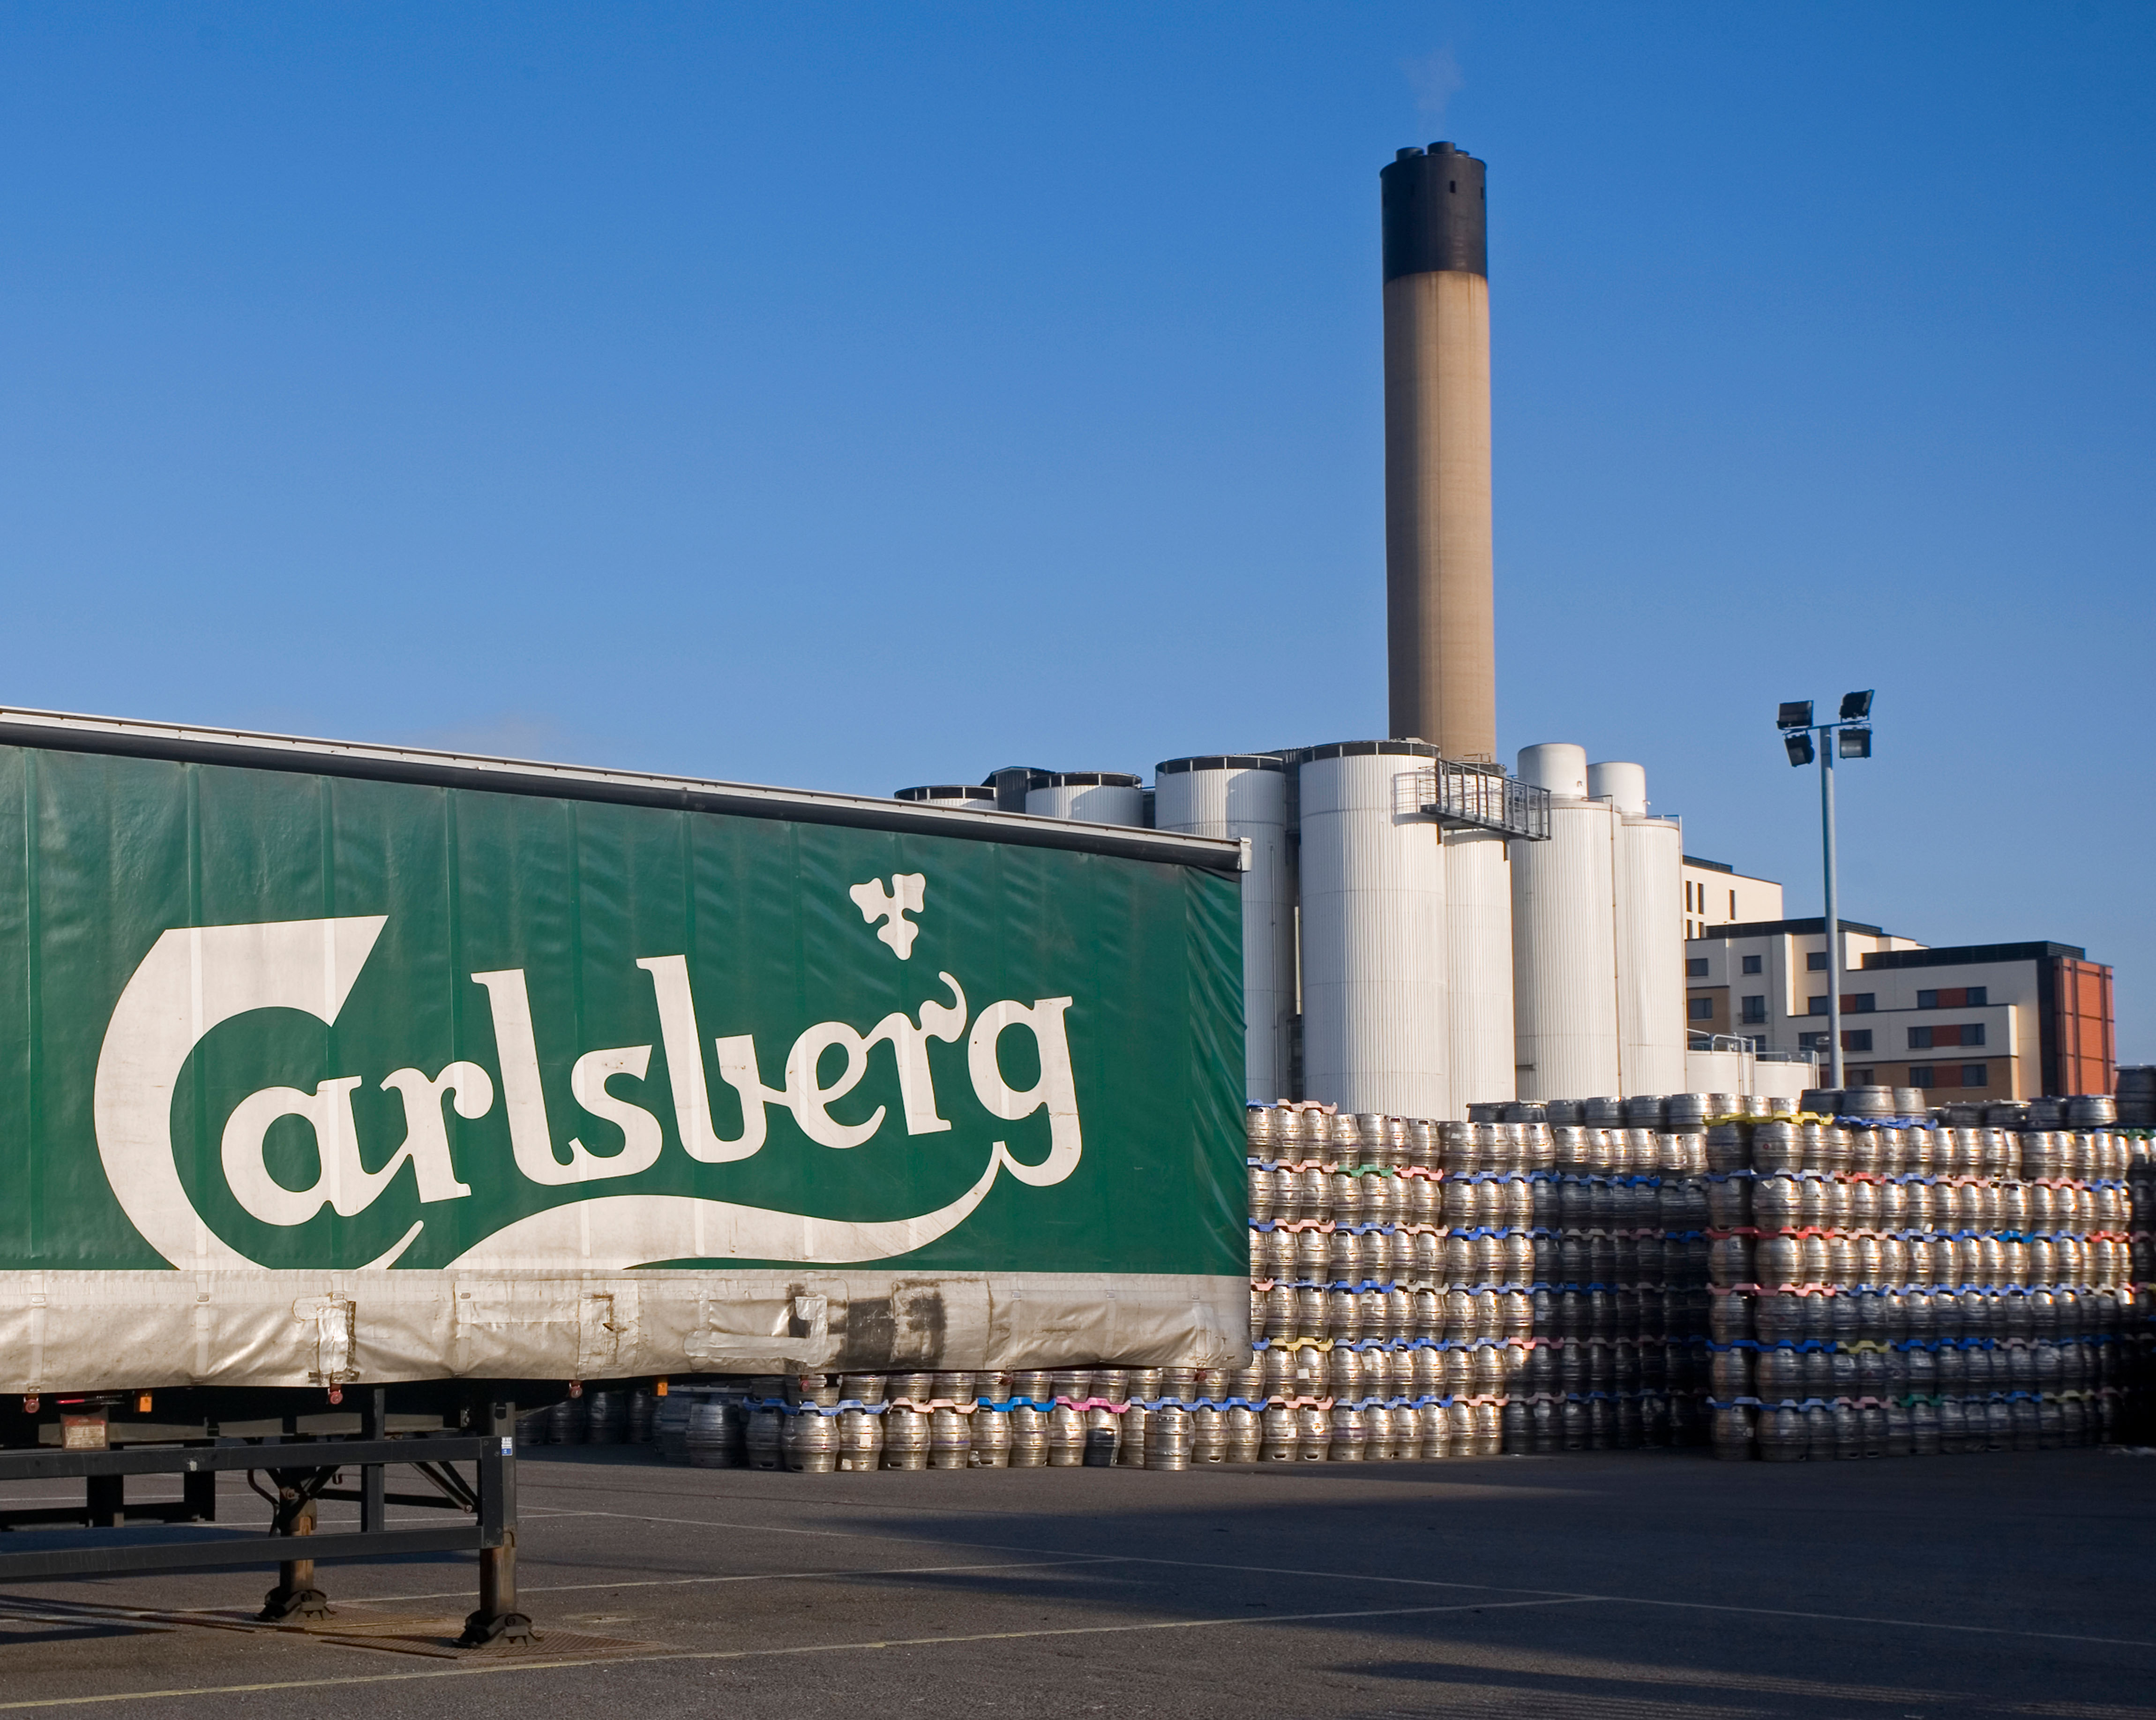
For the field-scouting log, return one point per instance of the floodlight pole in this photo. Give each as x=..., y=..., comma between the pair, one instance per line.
x=1827, y=738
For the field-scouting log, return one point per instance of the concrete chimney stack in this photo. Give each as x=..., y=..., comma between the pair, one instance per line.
x=1440, y=632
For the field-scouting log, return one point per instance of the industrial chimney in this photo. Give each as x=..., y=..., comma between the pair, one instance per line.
x=1440, y=639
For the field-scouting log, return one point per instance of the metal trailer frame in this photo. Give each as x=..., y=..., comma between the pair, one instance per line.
x=302, y=1472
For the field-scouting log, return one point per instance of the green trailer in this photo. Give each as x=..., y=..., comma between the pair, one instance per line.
x=322, y=1064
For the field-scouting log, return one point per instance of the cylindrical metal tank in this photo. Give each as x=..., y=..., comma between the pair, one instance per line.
x=972, y=795
x=1090, y=797
x=1246, y=798
x=1564, y=937
x=1478, y=954
x=1375, y=1035
x=1647, y=885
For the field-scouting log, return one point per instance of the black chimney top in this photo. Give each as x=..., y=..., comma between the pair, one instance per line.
x=1434, y=213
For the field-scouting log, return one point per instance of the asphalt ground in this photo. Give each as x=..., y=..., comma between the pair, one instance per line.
x=1660, y=1586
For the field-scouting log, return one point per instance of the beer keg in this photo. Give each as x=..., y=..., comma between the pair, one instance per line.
x=716, y=1434
x=905, y=1438
x=765, y=1439
x=1067, y=1436
x=809, y=1442
x=1028, y=1437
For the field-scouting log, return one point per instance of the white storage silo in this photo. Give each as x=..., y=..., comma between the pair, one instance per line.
x=972, y=795
x=1564, y=963
x=1090, y=797
x=1478, y=951
x=1648, y=884
x=1375, y=1035
x=1246, y=798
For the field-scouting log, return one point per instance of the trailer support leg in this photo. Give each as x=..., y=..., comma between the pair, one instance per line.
x=294, y=1596
x=373, y=1425
x=198, y=1491
x=498, y=1618
x=107, y=1500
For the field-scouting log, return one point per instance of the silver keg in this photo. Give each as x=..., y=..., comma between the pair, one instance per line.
x=1280, y=1437
x=914, y=1388
x=716, y=1434
x=859, y=1440
x=606, y=1417
x=1348, y=1434
x=810, y=1443
x=1067, y=1436
x=991, y=1439
x=905, y=1438
x=1313, y=1433
x=1130, y=1435
x=1433, y=1423
x=1028, y=1438
x=765, y=1439
x=566, y=1423
x=1169, y=1440
x=670, y=1427
x=1245, y=1433
x=1208, y=1434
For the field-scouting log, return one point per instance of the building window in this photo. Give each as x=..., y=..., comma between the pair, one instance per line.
x=1973, y=996
x=1861, y=1002
x=1972, y=1033
x=1923, y=1075
x=1755, y=1009
x=1927, y=1001
x=1702, y=1009
x=1753, y=964
x=1811, y=1042
x=1860, y=1077
x=1976, y=1075
x=1696, y=968
x=1818, y=1002
x=1857, y=1039
x=1815, y=962
x=1920, y=1039
x=1732, y=904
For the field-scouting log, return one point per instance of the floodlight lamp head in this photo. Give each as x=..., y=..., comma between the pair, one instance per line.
x=1856, y=707
x=1799, y=744
x=1796, y=714
x=1855, y=743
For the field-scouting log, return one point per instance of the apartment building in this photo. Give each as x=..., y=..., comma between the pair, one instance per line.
x=1718, y=895
x=2001, y=1021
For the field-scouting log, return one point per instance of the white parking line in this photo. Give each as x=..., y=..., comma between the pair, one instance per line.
x=751, y=1654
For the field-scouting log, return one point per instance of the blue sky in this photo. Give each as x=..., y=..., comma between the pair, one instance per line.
x=853, y=396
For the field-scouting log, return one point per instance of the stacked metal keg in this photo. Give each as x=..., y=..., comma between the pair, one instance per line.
x=1882, y=1290
x=1533, y=1281
x=1589, y=1274
x=818, y=1424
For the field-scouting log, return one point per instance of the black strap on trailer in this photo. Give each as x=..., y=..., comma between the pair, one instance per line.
x=299, y=1472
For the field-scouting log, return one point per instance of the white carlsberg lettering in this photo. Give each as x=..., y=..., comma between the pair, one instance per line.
x=1056, y=1092
x=683, y=1043
x=810, y=1100
x=641, y=1138
x=346, y=1185
x=426, y=1139
x=909, y=1044
x=530, y=1136
x=340, y=1181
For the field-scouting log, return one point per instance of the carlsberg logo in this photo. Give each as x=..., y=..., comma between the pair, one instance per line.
x=195, y=978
